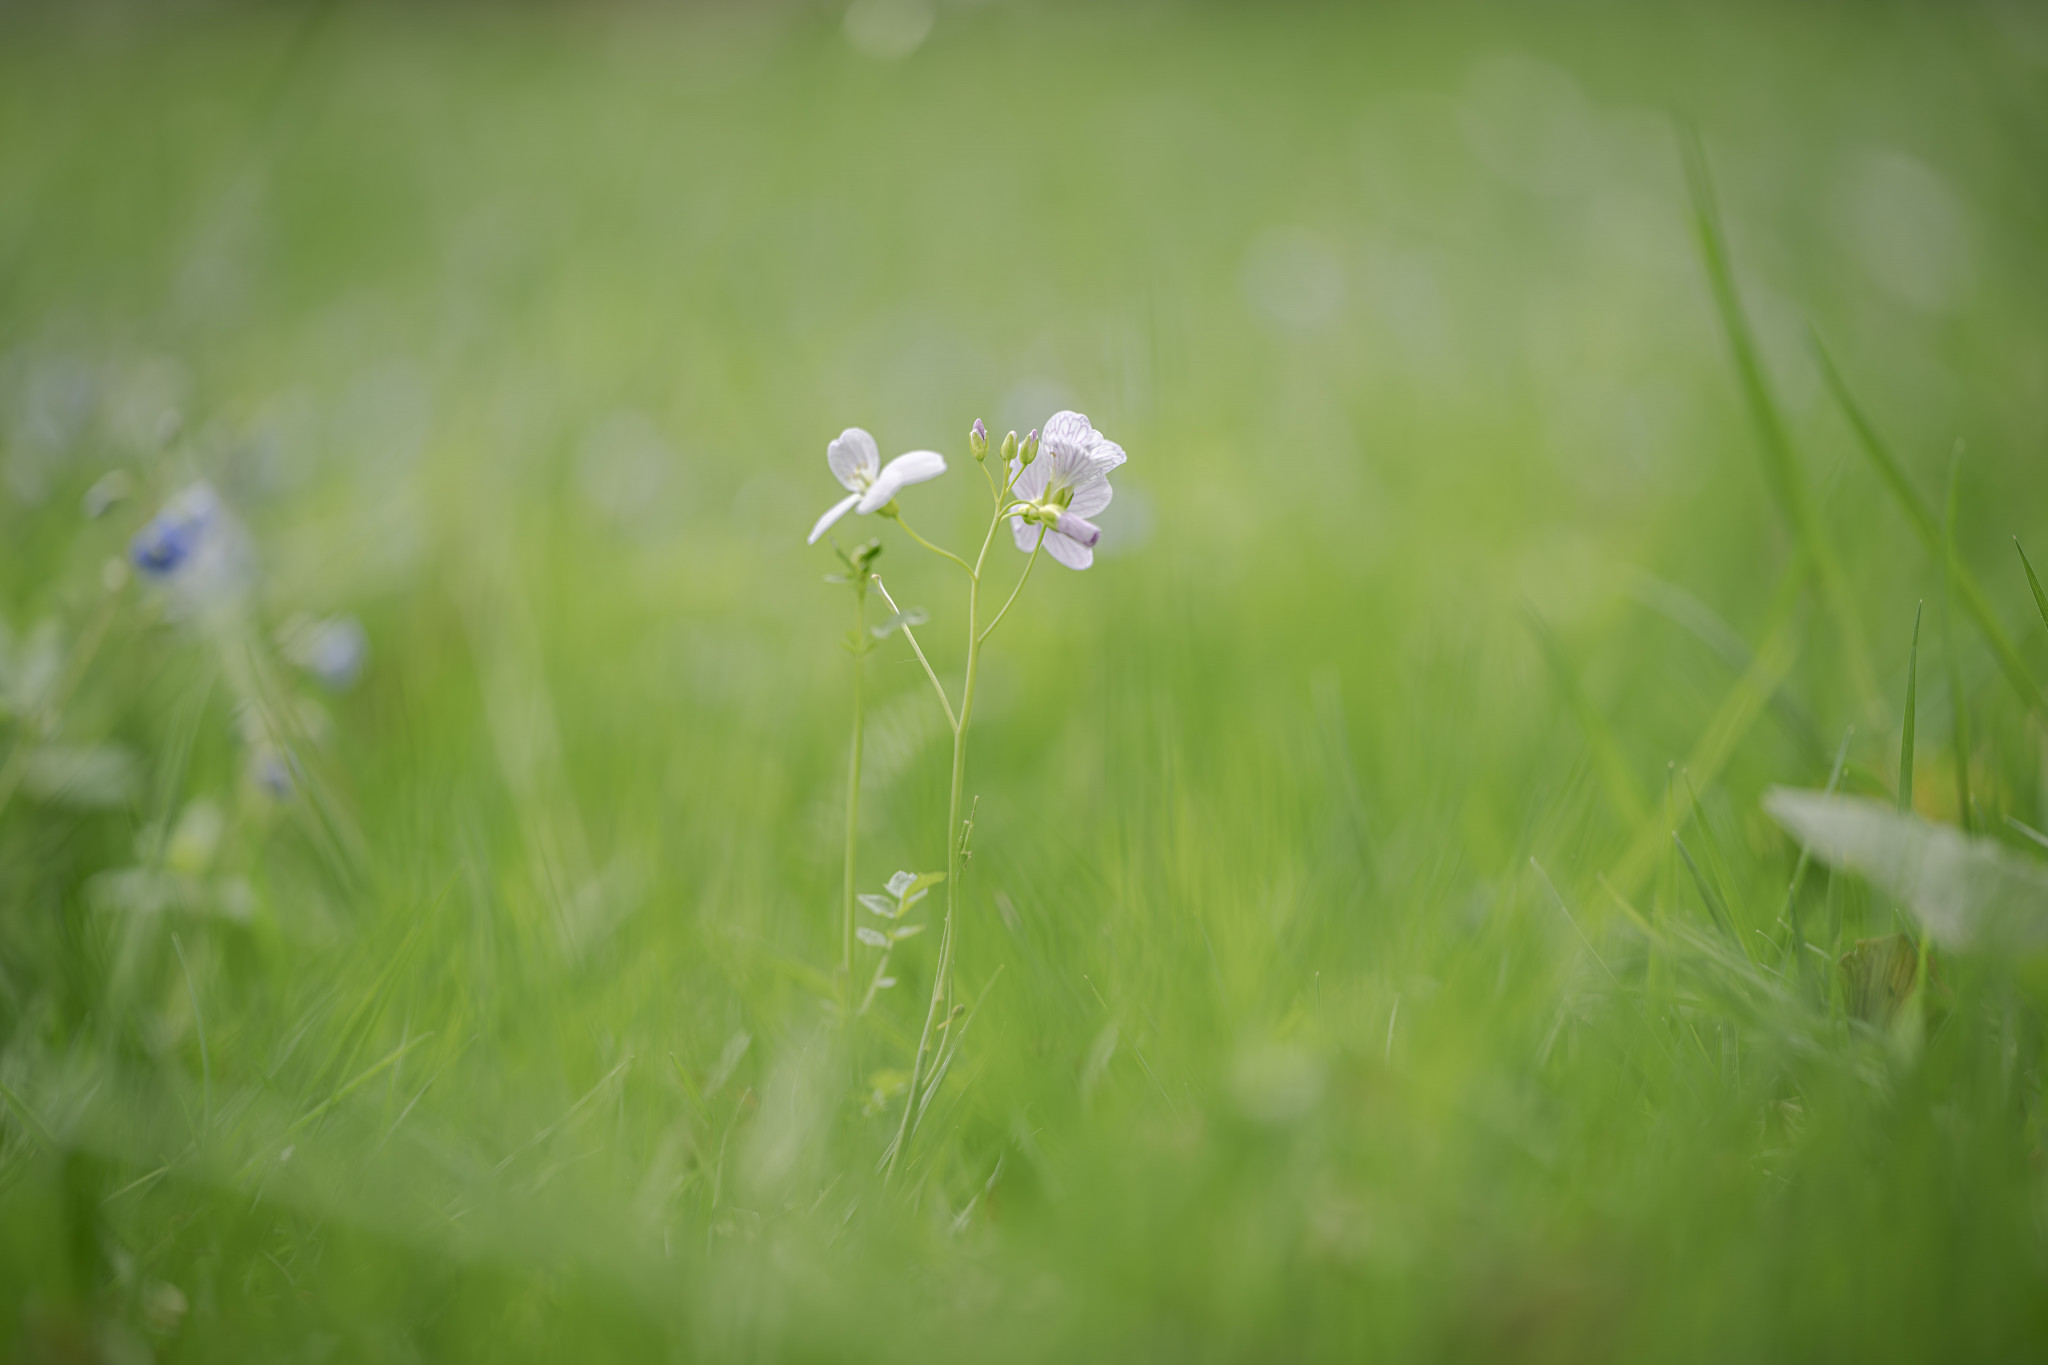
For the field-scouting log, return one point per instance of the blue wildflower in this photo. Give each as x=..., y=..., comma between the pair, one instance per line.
x=195, y=550
x=332, y=651
x=177, y=533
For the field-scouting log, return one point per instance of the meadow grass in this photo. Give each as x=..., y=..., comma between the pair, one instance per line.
x=1375, y=941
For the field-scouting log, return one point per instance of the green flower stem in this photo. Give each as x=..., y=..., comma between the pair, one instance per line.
x=860, y=643
x=942, y=977
x=972, y=571
x=1021, y=581
x=945, y=702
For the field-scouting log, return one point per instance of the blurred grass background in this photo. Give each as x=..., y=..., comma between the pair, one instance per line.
x=517, y=333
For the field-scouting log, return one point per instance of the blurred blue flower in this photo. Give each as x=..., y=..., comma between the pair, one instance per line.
x=193, y=546
x=333, y=651
x=270, y=768
x=174, y=536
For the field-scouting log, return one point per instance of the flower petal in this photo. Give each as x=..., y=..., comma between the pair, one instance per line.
x=1030, y=485
x=1025, y=534
x=1067, y=552
x=1068, y=433
x=832, y=514
x=1107, y=454
x=1071, y=464
x=1090, y=496
x=854, y=458
x=917, y=466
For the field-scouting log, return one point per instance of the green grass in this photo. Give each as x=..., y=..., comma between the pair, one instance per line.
x=1340, y=989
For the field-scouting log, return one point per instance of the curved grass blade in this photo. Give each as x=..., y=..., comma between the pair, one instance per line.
x=1959, y=704
x=1923, y=523
x=2040, y=598
x=1912, y=705
x=1715, y=908
x=1781, y=465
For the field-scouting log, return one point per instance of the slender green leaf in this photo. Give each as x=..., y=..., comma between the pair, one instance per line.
x=1912, y=706
x=1958, y=703
x=2040, y=598
x=1922, y=519
x=1715, y=909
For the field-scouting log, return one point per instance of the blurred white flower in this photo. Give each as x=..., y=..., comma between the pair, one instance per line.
x=1065, y=485
x=857, y=463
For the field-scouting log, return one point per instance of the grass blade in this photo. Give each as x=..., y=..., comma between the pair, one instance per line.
x=1923, y=523
x=1606, y=750
x=1959, y=704
x=1912, y=705
x=1715, y=908
x=1781, y=464
x=1790, y=914
x=2040, y=598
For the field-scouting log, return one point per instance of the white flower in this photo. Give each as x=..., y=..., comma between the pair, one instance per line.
x=1067, y=484
x=871, y=485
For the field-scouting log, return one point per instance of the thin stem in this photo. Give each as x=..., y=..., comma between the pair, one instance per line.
x=1021, y=581
x=875, y=981
x=942, y=978
x=912, y=532
x=860, y=649
x=918, y=650
x=199, y=1023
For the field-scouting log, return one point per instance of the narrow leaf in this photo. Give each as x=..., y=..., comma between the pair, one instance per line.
x=910, y=616
x=1922, y=518
x=1959, y=704
x=1912, y=704
x=1717, y=911
x=2040, y=598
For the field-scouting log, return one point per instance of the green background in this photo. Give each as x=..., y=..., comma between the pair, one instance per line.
x=1447, y=543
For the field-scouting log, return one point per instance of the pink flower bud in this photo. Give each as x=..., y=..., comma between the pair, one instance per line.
x=1078, y=529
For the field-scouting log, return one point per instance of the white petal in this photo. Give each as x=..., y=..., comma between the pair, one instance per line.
x=1067, y=433
x=1030, y=485
x=832, y=514
x=915, y=467
x=1090, y=496
x=1070, y=465
x=1107, y=454
x=1067, y=552
x=1025, y=534
x=854, y=458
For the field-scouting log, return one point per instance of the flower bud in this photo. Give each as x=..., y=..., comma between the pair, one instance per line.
x=1030, y=450
x=1078, y=528
x=977, y=440
x=1010, y=447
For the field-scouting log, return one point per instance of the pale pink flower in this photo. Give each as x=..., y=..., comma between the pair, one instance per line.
x=1067, y=484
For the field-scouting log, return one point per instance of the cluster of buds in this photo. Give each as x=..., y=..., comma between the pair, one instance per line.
x=1012, y=451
